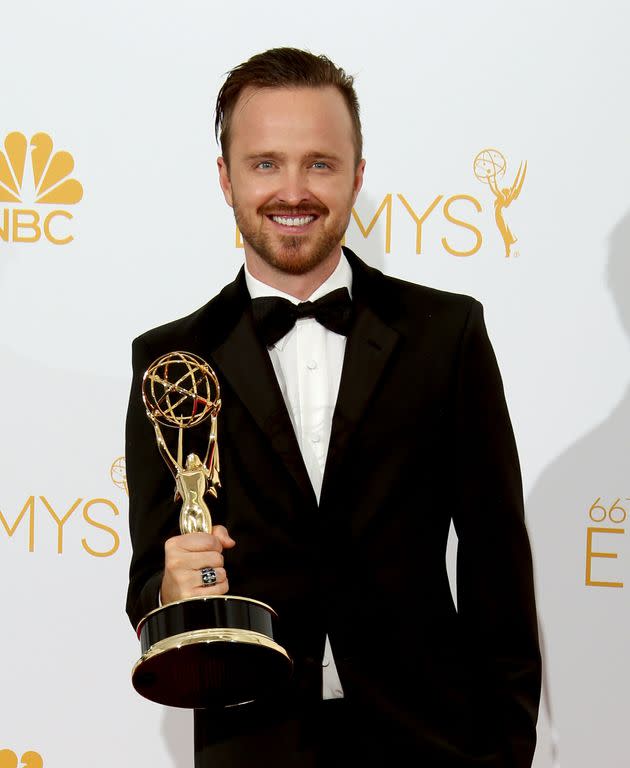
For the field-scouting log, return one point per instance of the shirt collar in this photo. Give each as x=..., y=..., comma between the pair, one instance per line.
x=340, y=278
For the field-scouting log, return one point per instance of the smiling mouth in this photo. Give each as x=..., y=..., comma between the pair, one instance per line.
x=293, y=221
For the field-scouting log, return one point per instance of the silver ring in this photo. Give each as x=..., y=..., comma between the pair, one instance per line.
x=208, y=577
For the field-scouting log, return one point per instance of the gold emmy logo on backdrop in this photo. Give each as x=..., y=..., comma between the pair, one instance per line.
x=32, y=512
x=488, y=166
x=210, y=651
x=34, y=521
x=118, y=474
x=48, y=183
x=30, y=759
x=603, y=513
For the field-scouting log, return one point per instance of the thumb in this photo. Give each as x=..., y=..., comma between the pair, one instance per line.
x=221, y=532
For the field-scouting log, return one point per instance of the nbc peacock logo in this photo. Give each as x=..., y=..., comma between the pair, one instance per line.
x=30, y=759
x=31, y=172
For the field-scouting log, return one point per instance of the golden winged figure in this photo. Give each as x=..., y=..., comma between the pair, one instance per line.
x=503, y=198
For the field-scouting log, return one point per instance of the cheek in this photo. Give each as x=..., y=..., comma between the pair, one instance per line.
x=338, y=201
x=334, y=195
x=252, y=193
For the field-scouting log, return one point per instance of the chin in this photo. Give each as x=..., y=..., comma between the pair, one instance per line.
x=296, y=263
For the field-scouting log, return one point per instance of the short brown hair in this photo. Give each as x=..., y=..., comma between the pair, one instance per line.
x=284, y=68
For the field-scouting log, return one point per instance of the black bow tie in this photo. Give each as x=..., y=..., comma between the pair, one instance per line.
x=274, y=316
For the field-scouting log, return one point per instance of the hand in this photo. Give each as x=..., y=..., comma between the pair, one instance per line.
x=186, y=555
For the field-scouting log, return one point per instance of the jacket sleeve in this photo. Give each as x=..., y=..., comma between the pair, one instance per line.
x=153, y=514
x=495, y=588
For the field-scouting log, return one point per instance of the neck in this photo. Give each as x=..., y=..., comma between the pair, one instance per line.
x=298, y=286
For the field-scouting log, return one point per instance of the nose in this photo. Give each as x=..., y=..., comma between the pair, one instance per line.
x=293, y=188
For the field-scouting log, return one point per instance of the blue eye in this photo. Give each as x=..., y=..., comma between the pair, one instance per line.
x=320, y=164
x=265, y=164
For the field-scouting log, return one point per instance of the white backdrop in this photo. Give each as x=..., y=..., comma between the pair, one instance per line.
x=127, y=89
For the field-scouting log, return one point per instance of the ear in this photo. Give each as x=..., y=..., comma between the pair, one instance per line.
x=224, y=180
x=358, y=180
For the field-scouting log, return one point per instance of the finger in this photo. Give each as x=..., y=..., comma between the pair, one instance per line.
x=195, y=542
x=192, y=561
x=219, y=588
x=221, y=532
x=219, y=574
x=180, y=584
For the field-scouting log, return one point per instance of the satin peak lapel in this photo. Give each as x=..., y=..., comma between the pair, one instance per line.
x=368, y=349
x=246, y=365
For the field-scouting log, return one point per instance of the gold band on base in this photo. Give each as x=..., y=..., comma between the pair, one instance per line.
x=215, y=635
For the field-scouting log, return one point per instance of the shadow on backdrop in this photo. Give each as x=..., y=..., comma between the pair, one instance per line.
x=585, y=682
x=177, y=734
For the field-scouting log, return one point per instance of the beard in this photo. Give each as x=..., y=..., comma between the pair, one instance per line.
x=293, y=255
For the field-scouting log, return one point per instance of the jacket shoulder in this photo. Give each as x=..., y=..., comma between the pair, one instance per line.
x=417, y=294
x=408, y=306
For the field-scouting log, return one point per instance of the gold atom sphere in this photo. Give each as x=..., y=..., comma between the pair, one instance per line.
x=489, y=164
x=118, y=473
x=180, y=389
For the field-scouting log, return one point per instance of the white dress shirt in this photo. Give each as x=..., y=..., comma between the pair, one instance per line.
x=308, y=362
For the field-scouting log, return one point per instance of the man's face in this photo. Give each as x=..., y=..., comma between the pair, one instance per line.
x=292, y=177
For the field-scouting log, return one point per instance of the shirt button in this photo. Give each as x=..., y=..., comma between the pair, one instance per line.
x=311, y=365
x=315, y=438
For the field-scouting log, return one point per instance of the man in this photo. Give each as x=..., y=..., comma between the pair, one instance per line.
x=344, y=456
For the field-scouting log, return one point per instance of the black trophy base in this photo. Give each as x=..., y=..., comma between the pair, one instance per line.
x=210, y=652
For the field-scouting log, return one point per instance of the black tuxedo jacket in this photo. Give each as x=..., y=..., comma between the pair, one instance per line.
x=420, y=436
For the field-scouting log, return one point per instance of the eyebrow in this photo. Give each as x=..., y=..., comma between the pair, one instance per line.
x=282, y=155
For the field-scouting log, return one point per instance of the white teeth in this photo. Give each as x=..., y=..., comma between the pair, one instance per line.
x=293, y=221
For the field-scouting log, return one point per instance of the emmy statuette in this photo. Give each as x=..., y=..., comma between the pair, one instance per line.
x=210, y=651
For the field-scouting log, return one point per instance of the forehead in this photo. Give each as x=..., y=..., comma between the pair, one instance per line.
x=284, y=118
